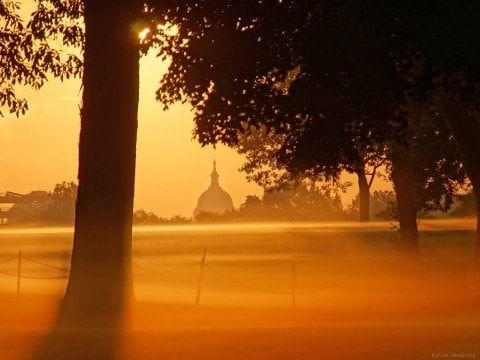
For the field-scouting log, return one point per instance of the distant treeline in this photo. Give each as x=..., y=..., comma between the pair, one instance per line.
x=304, y=204
x=143, y=217
x=300, y=204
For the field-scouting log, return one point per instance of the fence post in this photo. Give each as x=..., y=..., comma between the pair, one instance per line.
x=19, y=269
x=293, y=284
x=200, y=277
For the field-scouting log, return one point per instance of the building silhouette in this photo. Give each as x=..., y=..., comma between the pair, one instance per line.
x=214, y=200
x=15, y=206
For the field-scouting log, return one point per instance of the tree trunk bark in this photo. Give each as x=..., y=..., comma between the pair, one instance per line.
x=100, y=278
x=465, y=126
x=405, y=192
x=363, y=195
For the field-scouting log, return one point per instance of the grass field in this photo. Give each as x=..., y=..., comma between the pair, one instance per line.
x=353, y=296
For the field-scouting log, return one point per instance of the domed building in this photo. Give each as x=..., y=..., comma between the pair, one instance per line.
x=214, y=200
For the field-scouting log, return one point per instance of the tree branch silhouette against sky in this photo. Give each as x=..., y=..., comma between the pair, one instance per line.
x=50, y=128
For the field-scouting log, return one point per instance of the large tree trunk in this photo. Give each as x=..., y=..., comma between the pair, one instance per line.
x=465, y=126
x=99, y=286
x=405, y=193
x=100, y=279
x=363, y=195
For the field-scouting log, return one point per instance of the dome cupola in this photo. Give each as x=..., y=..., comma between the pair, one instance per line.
x=214, y=200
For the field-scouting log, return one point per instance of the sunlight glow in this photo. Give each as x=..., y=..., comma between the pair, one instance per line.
x=143, y=34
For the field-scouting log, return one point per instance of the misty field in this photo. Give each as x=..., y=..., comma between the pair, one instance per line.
x=278, y=291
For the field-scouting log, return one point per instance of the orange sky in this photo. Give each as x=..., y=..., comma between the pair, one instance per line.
x=41, y=148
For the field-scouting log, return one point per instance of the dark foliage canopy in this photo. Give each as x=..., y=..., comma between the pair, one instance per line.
x=27, y=55
x=326, y=88
x=333, y=80
x=267, y=64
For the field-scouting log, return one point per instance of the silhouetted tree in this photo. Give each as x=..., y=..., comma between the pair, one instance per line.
x=100, y=278
x=61, y=206
x=442, y=37
x=179, y=219
x=143, y=217
x=106, y=31
x=434, y=47
x=302, y=203
x=261, y=146
x=382, y=205
x=280, y=83
x=324, y=76
x=26, y=59
x=465, y=205
x=426, y=171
